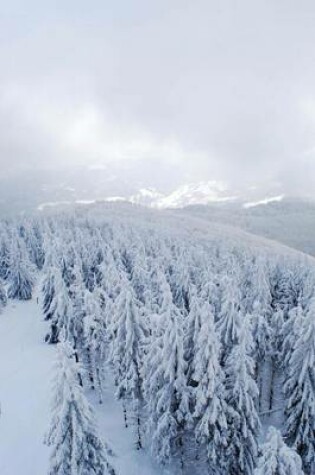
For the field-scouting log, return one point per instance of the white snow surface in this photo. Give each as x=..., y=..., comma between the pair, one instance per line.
x=26, y=364
x=25, y=383
x=265, y=201
x=127, y=460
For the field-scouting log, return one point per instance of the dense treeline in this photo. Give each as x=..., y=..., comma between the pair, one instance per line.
x=208, y=339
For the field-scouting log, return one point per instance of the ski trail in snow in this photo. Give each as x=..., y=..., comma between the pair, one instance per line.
x=25, y=390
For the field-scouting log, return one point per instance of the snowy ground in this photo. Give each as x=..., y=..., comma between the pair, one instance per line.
x=25, y=368
x=127, y=460
x=25, y=395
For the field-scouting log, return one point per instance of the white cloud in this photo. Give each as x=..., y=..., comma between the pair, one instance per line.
x=217, y=91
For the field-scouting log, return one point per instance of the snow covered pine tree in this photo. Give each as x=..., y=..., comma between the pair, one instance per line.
x=277, y=458
x=76, y=447
x=300, y=391
x=209, y=403
x=21, y=271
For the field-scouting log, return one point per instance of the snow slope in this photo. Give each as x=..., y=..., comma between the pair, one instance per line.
x=25, y=369
x=290, y=221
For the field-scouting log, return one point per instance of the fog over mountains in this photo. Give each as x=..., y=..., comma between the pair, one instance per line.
x=27, y=190
x=266, y=212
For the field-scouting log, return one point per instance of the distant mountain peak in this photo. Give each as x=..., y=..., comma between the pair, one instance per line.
x=264, y=201
x=204, y=192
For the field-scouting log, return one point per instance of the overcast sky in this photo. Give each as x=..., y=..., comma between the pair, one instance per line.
x=222, y=90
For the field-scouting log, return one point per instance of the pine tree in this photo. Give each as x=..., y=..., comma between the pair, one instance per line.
x=209, y=288
x=127, y=353
x=3, y=295
x=262, y=332
x=34, y=244
x=95, y=341
x=282, y=288
x=277, y=458
x=21, y=272
x=290, y=332
x=140, y=278
x=180, y=281
x=62, y=309
x=300, y=392
x=277, y=327
x=260, y=309
x=90, y=267
x=48, y=285
x=154, y=294
x=48, y=290
x=230, y=318
x=4, y=255
x=166, y=389
x=75, y=323
x=209, y=396
x=76, y=446
x=242, y=397
x=193, y=323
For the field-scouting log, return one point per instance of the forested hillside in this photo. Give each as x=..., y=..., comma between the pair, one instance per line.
x=209, y=334
x=289, y=221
